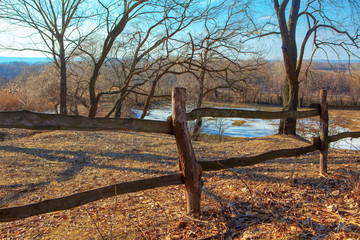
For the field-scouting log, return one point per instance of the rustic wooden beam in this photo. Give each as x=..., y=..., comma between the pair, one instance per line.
x=230, y=113
x=334, y=107
x=189, y=167
x=41, y=121
x=78, y=199
x=250, y=161
x=324, y=132
x=340, y=136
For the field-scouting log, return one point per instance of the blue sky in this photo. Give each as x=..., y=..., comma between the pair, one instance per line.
x=271, y=45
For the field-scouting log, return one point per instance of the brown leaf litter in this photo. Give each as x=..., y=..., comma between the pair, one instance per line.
x=284, y=198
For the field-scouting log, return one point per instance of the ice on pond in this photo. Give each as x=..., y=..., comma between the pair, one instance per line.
x=250, y=129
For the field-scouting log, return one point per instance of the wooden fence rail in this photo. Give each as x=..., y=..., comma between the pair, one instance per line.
x=250, y=161
x=343, y=135
x=191, y=170
x=333, y=107
x=41, y=121
x=78, y=199
x=231, y=113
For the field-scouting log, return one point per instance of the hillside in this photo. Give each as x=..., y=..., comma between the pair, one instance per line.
x=279, y=199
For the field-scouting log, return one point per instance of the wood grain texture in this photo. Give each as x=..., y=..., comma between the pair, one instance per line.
x=41, y=121
x=324, y=132
x=334, y=107
x=250, y=161
x=343, y=135
x=189, y=167
x=230, y=113
x=78, y=199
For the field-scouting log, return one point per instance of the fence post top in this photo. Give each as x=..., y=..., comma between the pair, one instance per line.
x=178, y=89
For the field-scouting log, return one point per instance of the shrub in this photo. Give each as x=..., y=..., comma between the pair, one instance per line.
x=10, y=102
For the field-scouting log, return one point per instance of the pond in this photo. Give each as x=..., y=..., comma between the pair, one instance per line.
x=249, y=128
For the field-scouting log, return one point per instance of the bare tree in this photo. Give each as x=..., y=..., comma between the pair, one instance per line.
x=78, y=76
x=217, y=59
x=57, y=27
x=143, y=55
x=164, y=18
x=326, y=25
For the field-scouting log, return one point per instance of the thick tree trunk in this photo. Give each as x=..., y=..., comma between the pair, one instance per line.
x=92, y=93
x=289, y=50
x=290, y=103
x=63, y=87
x=324, y=132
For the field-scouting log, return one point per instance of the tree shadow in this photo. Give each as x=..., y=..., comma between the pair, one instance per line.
x=78, y=160
x=243, y=217
x=141, y=157
x=259, y=172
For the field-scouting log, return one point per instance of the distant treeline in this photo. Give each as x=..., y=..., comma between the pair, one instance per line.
x=36, y=86
x=9, y=71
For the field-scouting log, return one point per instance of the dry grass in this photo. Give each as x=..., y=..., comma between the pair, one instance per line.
x=349, y=119
x=9, y=102
x=16, y=102
x=279, y=199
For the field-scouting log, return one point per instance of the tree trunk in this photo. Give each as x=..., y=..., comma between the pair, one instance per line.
x=198, y=121
x=324, y=132
x=75, y=103
x=149, y=98
x=119, y=105
x=63, y=87
x=290, y=102
x=92, y=93
x=289, y=50
x=108, y=43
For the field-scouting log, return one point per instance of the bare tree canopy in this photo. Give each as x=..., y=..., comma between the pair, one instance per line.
x=150, y=23
x=323, y=25
x=216, y=59
x=56, y=28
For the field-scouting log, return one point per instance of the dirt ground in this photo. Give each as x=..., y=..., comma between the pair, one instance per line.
x=280, y=199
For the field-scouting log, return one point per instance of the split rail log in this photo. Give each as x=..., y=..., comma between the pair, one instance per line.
x=189, y=167
x=42, y=121
x=78, y=199
x=335, y=107
x=191, y=170
x=230, y=113
x=342, y=135
x=249, y=161
x=324, y=132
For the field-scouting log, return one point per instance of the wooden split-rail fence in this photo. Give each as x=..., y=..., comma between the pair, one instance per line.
x=190, y=169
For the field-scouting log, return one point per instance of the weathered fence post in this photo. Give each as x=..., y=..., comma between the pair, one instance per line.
x=189, y=167
x=324, y=131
